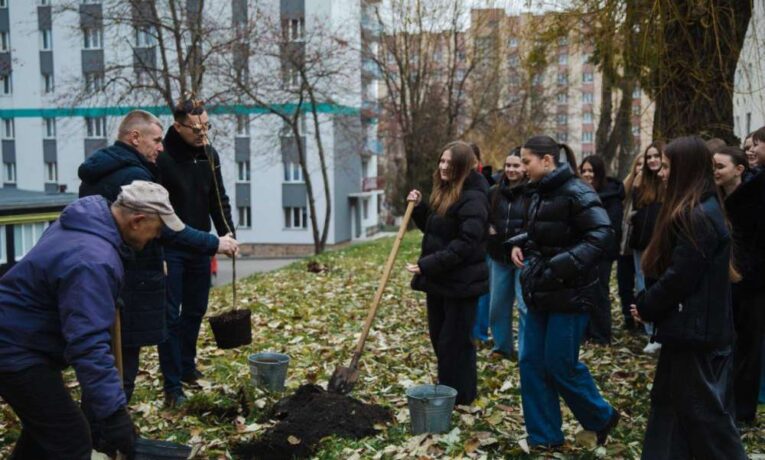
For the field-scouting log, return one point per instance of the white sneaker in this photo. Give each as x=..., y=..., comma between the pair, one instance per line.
x=652, y=347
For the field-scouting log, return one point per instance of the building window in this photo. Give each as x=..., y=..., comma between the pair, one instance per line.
x=562, y=118
x=25, y=236
x=6, y=85
x=3, y=3
x=43, y=2
x=9, y=128
x=5, y=41
x=563, y=59
x=561, y=136
x=749, y=122
x=513, y=42
x=536, y=80
x=587, y=98
x=51, y=171
x=563, y=41
x=244, y=171
x=587, y=77
x=636, y=130
x=365, y=209
x=94, y=82
x=586, y=153
x=49, y=128
x=93, y=38
x=295, y=218
x=48, y=84
x=291, y=77
x=96, y=127
x=145, y=37
x=46, y=40
x=562, y=98
x=294, y=29
x=636, y=93
x=636, y=110
x=245, y=217
x=514, y=61
x=587, y=117
x=562, y=79
x=242, y=125
x=586, y=58
x=587, y=137
x=9, y=172
x=292, y=172
x=90, y=1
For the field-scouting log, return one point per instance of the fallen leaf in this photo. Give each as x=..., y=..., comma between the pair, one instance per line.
x=293, y=440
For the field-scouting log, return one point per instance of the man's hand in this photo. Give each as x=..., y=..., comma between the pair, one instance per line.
x=635, y=314
x=115, y=433
x=228, y=245
x=517, y=256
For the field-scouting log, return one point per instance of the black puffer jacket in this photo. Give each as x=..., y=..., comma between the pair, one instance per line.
x=568, y=232
x=612, y=197
x=507, y=208
x=746, y=211
x=453, y=258
x=643, y=222
x=691, y=301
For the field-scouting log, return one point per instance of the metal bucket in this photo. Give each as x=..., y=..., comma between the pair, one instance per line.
x=430, y=408
x=269, y=370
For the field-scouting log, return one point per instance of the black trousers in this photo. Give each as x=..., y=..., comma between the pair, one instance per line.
x=130, y=362
x=52, y=424
x=749, y=319
x=450, y=321
x=599, y=327
x=692, y=408
x=625, y=278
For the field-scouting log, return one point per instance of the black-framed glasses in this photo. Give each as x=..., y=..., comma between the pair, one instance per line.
x=196, y=129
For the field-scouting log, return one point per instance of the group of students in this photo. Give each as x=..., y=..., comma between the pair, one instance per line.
x=685, y=229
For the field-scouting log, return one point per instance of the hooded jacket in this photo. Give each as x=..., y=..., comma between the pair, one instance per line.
x=187, y=174
x=58, y=302
x=568, y=233
x=453, y=257
x=143, y=296
x=745, y=208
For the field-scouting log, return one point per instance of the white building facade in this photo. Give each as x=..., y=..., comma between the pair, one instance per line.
x=47, y=49
x=749, y=88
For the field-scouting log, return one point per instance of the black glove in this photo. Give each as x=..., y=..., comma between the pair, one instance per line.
x=115, y=433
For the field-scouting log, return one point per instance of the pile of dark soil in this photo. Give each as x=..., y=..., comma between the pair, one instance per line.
x=307, y=417
x=316, y=267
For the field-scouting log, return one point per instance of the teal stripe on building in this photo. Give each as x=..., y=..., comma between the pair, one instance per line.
x=238, y=109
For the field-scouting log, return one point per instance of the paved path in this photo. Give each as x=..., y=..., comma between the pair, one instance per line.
x=246, y=267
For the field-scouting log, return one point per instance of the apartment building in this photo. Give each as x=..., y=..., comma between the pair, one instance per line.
x=48, y=48
x=749, y=86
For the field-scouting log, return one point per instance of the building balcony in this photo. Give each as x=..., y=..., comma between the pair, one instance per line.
x=369, y=184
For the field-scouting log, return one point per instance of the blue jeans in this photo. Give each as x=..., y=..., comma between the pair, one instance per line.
x=640, y=285
x=505, y=289
x=188, y=289
x=550, y=368
x=522, y=310
x=481, y=324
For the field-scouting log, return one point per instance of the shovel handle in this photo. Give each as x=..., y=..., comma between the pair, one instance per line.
x=383, y=283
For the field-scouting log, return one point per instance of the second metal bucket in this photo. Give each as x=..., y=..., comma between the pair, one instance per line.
x=430, y=408
x=269, y=370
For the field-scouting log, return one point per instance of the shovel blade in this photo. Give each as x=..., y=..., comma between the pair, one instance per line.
x=343, y=379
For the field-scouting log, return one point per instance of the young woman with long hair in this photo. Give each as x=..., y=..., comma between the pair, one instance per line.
x=567, y=234
x=611, y=194
x=688, y=258
x=452, y=268
x=745, y=208
x=751, y=157
x=625, y=263
x=507, y=207
x=647, y=195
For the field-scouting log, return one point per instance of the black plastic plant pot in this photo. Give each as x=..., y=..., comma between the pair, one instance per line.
x=149, y=449
x=232, y=328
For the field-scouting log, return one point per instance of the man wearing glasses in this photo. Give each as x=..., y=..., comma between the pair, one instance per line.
x=190, y=170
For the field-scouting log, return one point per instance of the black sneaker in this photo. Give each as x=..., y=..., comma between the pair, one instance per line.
x=612, y=422
x=191, y=379
x=175, y=400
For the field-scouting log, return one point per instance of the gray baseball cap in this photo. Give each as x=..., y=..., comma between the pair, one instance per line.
x=151, y=198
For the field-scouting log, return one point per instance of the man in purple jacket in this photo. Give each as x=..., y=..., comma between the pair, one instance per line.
x=56, y=308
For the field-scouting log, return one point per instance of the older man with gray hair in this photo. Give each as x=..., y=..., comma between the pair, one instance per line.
x=144, y=312
x=57, y=306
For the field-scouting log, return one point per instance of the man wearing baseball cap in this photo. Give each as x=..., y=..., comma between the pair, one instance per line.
x=57, y=306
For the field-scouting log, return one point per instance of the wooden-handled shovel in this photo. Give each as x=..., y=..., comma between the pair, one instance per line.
x=344, y=378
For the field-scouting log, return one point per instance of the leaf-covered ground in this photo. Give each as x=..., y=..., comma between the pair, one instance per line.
x=316, y=317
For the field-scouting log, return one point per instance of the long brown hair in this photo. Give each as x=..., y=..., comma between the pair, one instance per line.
x=446, y=193
x=651, y=188
x=690, y=178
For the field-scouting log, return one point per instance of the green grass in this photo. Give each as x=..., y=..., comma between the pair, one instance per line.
x=315, y=318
